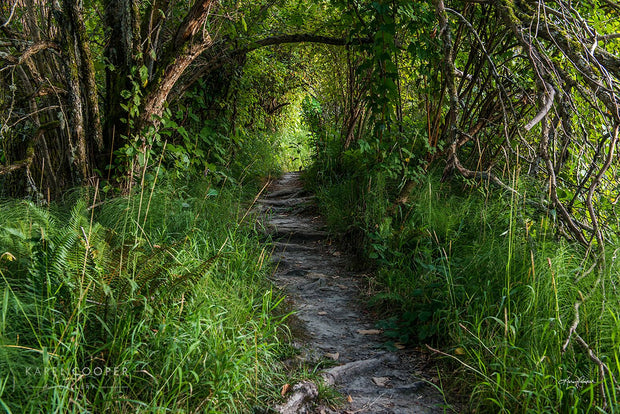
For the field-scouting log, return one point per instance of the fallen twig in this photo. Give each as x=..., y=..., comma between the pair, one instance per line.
x=602, y=367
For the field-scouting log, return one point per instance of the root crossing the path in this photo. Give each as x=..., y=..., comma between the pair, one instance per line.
x=325, y=296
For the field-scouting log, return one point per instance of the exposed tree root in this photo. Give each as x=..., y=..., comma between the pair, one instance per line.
x=306, y=392
x=302, y=395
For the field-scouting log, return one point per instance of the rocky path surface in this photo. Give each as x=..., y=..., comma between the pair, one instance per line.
x=326, y=299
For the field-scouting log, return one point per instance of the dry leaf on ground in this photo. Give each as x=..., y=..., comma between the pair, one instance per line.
x=369, y=331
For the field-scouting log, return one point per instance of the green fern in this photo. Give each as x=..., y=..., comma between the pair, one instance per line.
x=156, y=277
x=83, y=289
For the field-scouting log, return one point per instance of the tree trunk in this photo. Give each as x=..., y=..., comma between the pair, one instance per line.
x=154, y=101
x=84, y=117
x=121, y=18
x=180, y=53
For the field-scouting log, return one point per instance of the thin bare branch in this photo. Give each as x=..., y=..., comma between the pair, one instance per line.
x=550, y=92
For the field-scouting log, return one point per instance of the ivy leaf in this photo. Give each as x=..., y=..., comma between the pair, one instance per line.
x=144, y=75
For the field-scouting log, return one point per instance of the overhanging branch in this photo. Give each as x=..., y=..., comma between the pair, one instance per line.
x=227, y=53
x=305, y=38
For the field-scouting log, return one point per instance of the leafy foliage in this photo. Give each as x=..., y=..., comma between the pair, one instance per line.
x=481, y=274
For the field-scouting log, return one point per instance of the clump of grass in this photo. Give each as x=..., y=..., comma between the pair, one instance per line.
x=151, y=302
x=529, y=320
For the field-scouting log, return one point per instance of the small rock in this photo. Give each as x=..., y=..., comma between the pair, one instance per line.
x=381, y=381
x=333, y=356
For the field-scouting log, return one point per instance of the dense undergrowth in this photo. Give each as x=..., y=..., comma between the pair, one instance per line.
x=153, y=302
x=528, y=321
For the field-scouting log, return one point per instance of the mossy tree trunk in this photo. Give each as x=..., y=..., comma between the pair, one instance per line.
x=122, y=19
x=50, y=77
x=86, y=137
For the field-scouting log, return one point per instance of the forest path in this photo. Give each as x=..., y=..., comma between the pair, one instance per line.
x=326, y=297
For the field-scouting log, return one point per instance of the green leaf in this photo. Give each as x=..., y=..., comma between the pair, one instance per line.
x=144, y=75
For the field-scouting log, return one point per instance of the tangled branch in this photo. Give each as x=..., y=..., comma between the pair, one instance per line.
x=566, y=64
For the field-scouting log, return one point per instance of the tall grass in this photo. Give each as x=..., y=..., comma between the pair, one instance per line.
x=153, y=302
x=529, y=321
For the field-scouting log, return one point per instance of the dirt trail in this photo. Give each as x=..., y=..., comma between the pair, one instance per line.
x=326, y=297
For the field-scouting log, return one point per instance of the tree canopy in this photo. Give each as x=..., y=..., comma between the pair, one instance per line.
x=495, y=87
